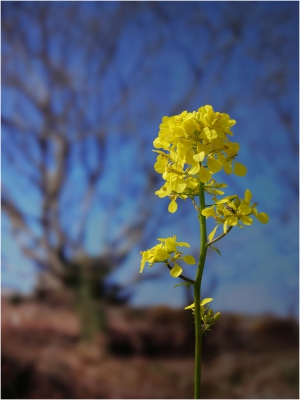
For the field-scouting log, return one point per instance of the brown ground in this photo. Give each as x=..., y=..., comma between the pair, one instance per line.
x=143, y=354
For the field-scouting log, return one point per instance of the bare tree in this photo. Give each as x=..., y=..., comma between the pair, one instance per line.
x=60, y=122
x=77, y=95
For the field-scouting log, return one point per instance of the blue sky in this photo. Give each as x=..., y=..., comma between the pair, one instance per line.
x=241, y=57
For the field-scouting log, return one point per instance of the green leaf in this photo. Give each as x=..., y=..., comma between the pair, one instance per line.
x=186, y=284
x=217, y=316
x=215, y=249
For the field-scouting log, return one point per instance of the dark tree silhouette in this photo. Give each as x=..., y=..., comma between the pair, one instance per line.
x=84, y=83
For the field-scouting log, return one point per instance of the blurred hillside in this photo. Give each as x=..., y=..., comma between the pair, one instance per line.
x=141, y=353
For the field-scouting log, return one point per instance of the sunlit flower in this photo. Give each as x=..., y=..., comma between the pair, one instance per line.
x=232, y=211
x=195, y=146
x=166, y=251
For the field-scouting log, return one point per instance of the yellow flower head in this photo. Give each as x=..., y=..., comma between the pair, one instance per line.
x=195, y=146
x=167, y=251
x=232, y=211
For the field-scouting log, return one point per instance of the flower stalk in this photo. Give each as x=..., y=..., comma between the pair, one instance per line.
x=197, y=295
x=195, y=146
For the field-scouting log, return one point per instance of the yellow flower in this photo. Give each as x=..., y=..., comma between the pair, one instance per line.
x=166, y=251
x=195, y=146
x=232, y=211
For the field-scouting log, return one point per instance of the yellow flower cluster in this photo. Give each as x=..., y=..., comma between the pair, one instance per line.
x=167, y=252
x=231, y=210
x=196, y=146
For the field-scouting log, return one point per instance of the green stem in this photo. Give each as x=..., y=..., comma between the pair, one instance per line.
x=197, y=296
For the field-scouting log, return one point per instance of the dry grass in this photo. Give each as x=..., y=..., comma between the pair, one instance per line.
x=43, y=355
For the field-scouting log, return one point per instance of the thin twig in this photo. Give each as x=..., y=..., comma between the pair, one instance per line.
x=219, y=237
x=182, y=276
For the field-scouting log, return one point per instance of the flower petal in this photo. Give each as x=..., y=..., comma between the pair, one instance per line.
x=244, y=209
x=143, y=261
x=248, y=195
x=204, y=174
x=161, y=254
x=214, y=165
x=170, y=243
x=182, y=244
x=190, y=125
x=246, y=220
x=208, y=212
x=239, y=169
x=172, y=206
x=180, y=185
x=195, y=169
x=263, y=217
x=189, y=259
x=162, y=192
x=205, y=301
x=199, y=157
x=189, y=307
x=232, y=220
x=212, y=233
x=227, y=168
x=176, y=271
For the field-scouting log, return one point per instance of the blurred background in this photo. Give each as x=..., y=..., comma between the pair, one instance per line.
x=84, y=88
